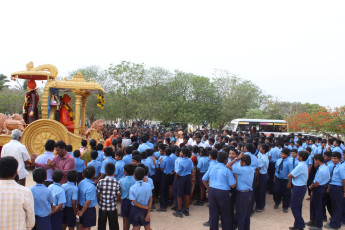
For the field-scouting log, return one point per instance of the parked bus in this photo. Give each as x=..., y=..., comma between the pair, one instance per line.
x=259, y=125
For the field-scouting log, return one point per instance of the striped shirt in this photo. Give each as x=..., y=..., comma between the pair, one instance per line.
x=16, y=205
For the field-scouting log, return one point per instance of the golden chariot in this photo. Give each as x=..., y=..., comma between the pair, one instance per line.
x=38, y=132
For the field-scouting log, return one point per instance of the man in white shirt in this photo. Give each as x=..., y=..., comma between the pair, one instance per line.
x=43, y=159
x=16, y=201
x=17, y=150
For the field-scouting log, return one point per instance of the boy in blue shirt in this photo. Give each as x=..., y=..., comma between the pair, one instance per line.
x=299, y=177
x=167, y=166
x=43, y=200
x=71, y=192
x=244, y=190
x=87, y=199
x=336, y=191
x=262, y=179
x=203, y=164
x=119, y=174
x=59, y=200
x=318, y=189
x=125, y=185
x=95, y=163
x=281, y=190
x=273, y=156
x=79, y=165
x=127, y=158
x=109, y=153
x=218, y=181
x=141, y=196
x=183, y=181
x=293, y=158
x=100, y=155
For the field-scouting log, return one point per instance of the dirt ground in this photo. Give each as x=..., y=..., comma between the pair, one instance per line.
x=270, y=219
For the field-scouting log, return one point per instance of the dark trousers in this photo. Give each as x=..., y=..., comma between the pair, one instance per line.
x=112, y=218
x=316, y=214
x=311, y=178
x=282, y=193
x=219, y=203
x=56, y=220
x=271, y=170
x=164, y=189
x=297, y=196
x=326, y=202
x=42, y=223
x=243, y=209
x=232, y=209
x=253, y=194
x=260, y=193
x=337, y=198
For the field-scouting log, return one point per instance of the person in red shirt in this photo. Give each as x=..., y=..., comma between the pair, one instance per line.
x=66, y=113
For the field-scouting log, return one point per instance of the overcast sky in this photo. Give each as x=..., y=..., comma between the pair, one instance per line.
x=293, y=50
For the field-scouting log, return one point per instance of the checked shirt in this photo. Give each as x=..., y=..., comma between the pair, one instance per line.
x=108, y=189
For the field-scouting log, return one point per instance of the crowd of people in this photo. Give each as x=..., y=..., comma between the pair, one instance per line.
x=152, y=169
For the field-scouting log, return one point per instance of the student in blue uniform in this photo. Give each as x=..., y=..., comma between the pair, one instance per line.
x=294, y=158
x=95, y=163
x=120, y=164
x=299, y=145
x=261, y=183
x=322, y=148
x=127, y=158
x=109, y=154
x=87, y=199
x=125, y=184
x=318, y=188
x=273, y=156
x=183, y=182
x=71, y=207
x=140, y=195
x=336, y=191
x=299, y=177
x=218, y=182
x=249, y=150
x=100, y=155
x=167, y=167
x=326, y=201
x=337, y=148
x=203, y=164
x=281, y=191
x=43, y=200
x=79, y=165
x=59, y=200
x=244, y=190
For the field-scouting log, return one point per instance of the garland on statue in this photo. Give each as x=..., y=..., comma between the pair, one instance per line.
x=27, y=99
x=100, y=101
x=69, y=109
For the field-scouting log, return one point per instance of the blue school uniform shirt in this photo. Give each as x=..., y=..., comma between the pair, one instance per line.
x=300, y=174
x=71, y=193
x=150, y=145
x=212, y=163
x=127, y=158
x=149, y=163
x=177, y=161
x=125, y=184
x=167, y=165
x=203, y=164
x=263, y=163
x=100, y=156
x=58, y=194
x=79, y=164
x=43, y=199
x=300, y=149
x=286, y=170
x=330, y=166
x=150, y=182
x=220, y=177
x=87, y=191
x=322, y=175
x=338, y=174
x=119, y=169
x=288, y=147
x=140, y=192
x=197, y=156
x=106, y=161
x=275, y=154
x=342, y=146
x=254, y=160
x=185, y=167
x=143, y=147
x=236, y=164
x=320, y=150
x=294, y=161
x=174, y=157
x=97, y=165
x=338, y=149
x=245, y=177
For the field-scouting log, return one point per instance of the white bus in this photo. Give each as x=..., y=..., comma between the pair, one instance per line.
x=259, y=125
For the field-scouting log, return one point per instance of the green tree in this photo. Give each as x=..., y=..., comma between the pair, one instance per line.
x=3, y=81
x=255, y=114
x=11, y=101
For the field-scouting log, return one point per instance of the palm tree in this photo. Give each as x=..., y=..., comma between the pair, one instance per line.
x=21, y=85
x=3, y=81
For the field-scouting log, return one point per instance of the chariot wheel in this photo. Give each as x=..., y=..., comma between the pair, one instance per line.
x=38, y=132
